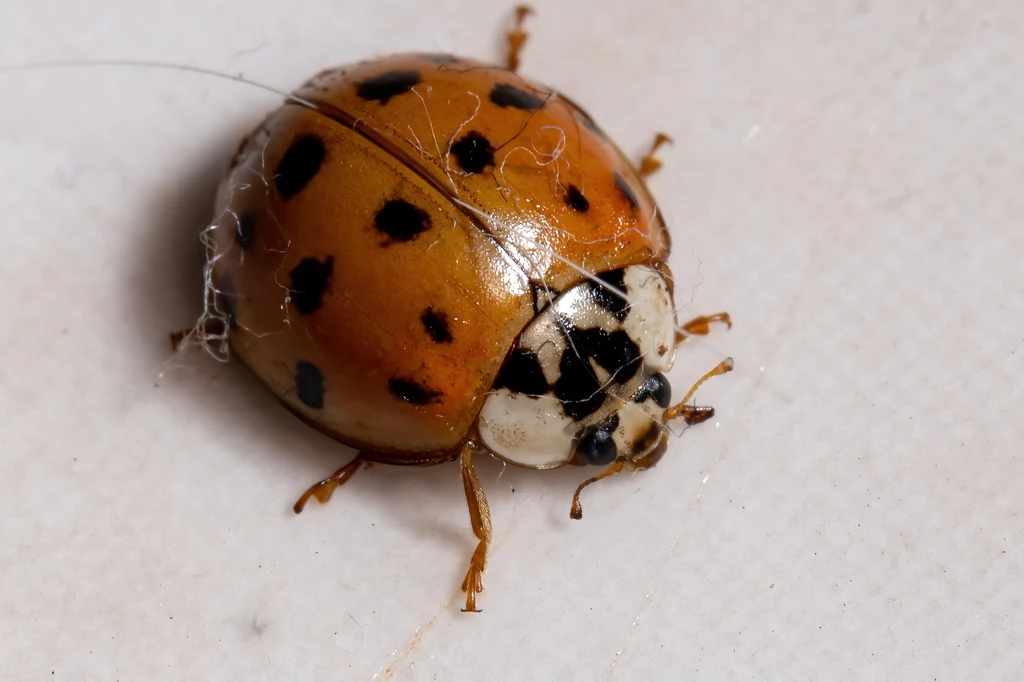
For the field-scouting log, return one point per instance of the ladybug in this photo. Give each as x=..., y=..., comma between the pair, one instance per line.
x=429, y=258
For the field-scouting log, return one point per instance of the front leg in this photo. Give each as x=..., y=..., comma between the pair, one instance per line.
x=701, y=326
x=696, y=415
x=576, y=511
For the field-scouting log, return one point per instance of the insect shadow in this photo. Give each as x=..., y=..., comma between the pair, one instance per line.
x=164, y=294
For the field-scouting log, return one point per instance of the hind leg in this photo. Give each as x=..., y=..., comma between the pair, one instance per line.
x=480, y=519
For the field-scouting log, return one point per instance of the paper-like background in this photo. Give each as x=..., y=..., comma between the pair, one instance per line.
x=846, y=180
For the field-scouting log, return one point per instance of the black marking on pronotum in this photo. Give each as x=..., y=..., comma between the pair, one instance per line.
x=473, y=153
x=595, y=444
x=656, y=387
x=606, y=296
x=522, y=373
x=401, y=221
x=505, y=95
x=388, y=84
x=245, y=230
x=575, y=198
x=578, y=388
x=299, y=165
x=309, y=384
x=436, y=324
x=310, y=279
x=412, y=392
x=616, y=352
x=627, y=191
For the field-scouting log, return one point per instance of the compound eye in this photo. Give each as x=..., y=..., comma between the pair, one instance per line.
x=660, y=389
x=596, y=446
x=656, y=387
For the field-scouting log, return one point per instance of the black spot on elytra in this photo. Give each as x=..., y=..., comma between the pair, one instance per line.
x=656, y=387
x=436, y=324
x=439, y=58
x=389, y=84
x=226, y=299
x=310, y=279
x=412, y=392
x=595, y=444
x=505, y=95
x=578, y=388
x=309, y=384
x=473, y=152
x=575, y=198
x=627, y=191
x=606, y=296
x=299, y=165
x=522, y=373
x=401, y=221
x=245, y=230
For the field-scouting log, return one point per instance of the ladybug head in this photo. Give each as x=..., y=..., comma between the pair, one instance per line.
x=585, y=381
x=634, y=432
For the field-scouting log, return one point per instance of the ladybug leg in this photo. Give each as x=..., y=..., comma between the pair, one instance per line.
x=517, y=36
x=701, y=326
x=577, y=510
x=649, y=164
x=325, y=488
x=480, y=519
x=693, y=414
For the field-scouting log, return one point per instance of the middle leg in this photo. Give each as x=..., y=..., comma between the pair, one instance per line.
x=480, y=519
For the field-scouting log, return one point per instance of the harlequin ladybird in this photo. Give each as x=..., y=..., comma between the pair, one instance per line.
x=426, y=257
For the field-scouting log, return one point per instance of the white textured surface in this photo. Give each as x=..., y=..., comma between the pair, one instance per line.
x=849, y=176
